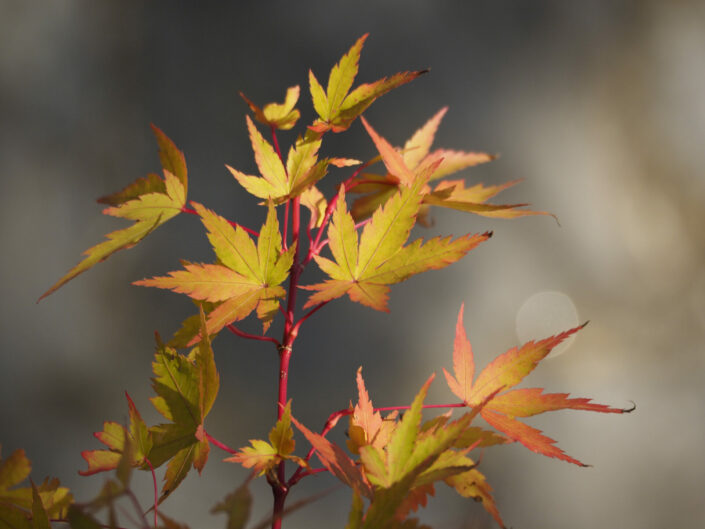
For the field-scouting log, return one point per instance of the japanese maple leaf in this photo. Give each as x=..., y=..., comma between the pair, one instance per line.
x=263, y=456
x=337, y=106
x=280, y=115
x=114, y=436
x=246, y=278
x=186, y=388
x=417, y=156
x=278, y=182
x=150, y=202
x=363, y=270
x=502, y=374
x=22, y=507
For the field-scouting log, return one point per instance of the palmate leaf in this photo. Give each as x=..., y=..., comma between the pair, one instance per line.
x=337, y=106
x=363, y=271
x=473, y=484
x=150, y=202
x=417, y=156
x=413, y=456
x=279, y=182
x=28, y=507
x=263, y=456
x=115, y=436
x=280, y=115
x=248, y=277
x=186, y=388
x=336, y=461
x=493, y=386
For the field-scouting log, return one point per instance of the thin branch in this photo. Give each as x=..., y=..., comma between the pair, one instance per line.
x=249, y=336
x=348, y=184
x=309, y=314
x=325, y=241
x=298, y=477
x=232, y=223
x=220, y=445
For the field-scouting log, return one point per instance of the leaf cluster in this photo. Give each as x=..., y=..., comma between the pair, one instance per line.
x=392, y=462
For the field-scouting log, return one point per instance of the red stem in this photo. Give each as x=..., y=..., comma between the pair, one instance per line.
x=249, y=336
x=314, y=248
x=232, y=223
x=298, y=477
x=220, y=445
x=309, y=314
x=279, y=489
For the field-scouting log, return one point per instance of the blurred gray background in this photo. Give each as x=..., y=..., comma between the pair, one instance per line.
x=599, y=106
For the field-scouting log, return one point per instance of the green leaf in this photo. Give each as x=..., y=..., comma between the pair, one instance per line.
x=280, y=115
x=19, y=505
x=150, y=202
x=263, y=456
x=338, y=107
x=79, y=519
x=237, y=506
x=171, y=157
x=248, y=278
x=40, y=518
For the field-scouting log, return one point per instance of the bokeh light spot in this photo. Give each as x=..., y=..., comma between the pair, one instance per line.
x=544, y=314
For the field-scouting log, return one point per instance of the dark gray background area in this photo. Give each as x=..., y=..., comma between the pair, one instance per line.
x=598, y=105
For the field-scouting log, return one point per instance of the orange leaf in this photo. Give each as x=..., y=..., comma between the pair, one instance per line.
x=463, y=362
x=336, y=461
x=530, y=437
x=532, y=401
x=508, y=369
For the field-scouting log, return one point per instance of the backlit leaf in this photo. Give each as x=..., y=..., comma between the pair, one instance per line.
x=363, y=270
x=491, y=392
x=148, y=211
x=336, y=461
x=247, y=279
x=280, y=115
x=338, y=106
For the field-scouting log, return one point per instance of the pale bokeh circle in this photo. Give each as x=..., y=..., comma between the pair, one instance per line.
x=544, y=314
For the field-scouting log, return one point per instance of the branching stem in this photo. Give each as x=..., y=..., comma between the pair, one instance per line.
x=249, y=336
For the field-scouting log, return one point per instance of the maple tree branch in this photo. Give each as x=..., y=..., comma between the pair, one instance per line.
x=309, y=314
x=348, y=184
x=220, y=445
x=232, y=223
x=298, y=477
x=249, y=336
x=325, y=241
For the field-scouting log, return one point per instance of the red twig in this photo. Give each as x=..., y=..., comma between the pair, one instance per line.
x=309, y=314
x=249, y=336
x=325, y=241
x=298, y=477
x=232, y=223
x=349, y=184
x=220, y=445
